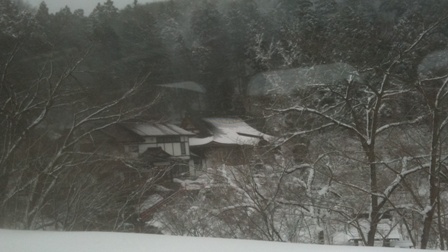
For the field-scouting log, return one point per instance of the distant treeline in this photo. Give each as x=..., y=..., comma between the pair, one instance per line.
x=219, y=44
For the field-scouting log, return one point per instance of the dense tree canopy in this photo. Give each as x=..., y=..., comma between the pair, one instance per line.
x=214, y=42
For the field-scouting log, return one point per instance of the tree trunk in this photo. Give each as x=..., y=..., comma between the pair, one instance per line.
x=4, y=180
x=433, y=181
x=429, y=216
x=440, y=225
x=374, y=219
x=374, y=212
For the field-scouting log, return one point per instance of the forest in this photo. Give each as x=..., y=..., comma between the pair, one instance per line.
x=355, y=94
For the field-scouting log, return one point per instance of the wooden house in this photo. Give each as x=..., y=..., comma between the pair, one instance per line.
x=220, y=140
x=161, y=144
x=152, y=144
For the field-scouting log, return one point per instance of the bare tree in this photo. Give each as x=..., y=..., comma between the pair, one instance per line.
x=435, y=92
x=268, y=197
x=44, y=121
x=362, y=109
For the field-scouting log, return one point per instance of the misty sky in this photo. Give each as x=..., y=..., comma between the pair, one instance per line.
x=86, y=5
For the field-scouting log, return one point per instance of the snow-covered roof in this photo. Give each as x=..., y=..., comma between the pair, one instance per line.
x=433, y=65
x=149, y=202
x=196, y=141
x=201, y=182
x=157, y=129
x=384, y=230
x=230, y=131
x=186, y=85
x=289, y=80
x=46, y=241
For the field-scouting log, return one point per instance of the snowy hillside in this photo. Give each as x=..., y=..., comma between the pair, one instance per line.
x=38, y=241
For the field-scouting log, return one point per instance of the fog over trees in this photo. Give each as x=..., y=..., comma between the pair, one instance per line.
x=353, y=94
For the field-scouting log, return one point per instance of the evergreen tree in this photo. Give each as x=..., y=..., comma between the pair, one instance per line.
x=210, y=53
x=102, y=20
x=42, y=15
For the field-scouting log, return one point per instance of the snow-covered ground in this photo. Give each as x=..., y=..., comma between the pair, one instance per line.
x=42, y=241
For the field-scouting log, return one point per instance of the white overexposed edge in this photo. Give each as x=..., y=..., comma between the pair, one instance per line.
x=46, y=241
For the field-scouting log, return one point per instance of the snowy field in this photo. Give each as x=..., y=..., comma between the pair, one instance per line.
x=41, y=241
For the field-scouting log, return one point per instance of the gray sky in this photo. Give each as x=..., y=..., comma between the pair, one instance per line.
x=86, y=5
